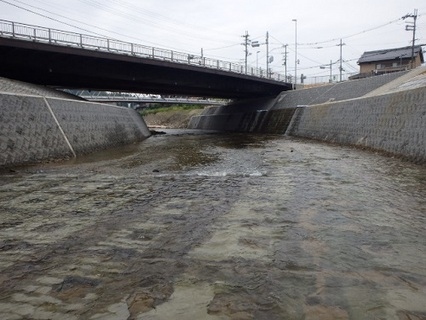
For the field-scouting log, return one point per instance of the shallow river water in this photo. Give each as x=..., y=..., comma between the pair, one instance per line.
x=215, y=226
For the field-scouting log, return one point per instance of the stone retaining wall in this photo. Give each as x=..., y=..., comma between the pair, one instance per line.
x=236, y=116
x=261, y=121
x=35, y=128
x=335, y=92
x=394, y=123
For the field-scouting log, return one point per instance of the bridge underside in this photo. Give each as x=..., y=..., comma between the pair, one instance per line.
x=69, y=67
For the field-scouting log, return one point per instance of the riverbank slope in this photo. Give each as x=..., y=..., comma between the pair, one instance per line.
x=176, y=119
x=39, y=124
x=385, y=113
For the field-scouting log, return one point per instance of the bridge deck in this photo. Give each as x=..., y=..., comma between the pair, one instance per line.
x=63, y=59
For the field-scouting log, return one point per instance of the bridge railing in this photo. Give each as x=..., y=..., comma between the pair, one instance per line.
x=139, y=97
x=27, y=32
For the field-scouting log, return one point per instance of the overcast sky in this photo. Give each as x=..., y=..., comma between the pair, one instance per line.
x=217, y=26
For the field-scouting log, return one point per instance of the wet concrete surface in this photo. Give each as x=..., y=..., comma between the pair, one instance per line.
x=215, y=226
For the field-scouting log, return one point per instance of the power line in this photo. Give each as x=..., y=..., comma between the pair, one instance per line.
x=77, y=21
x=225, y=47
x=90, y=25
x=151, y=19
x=176, y=23
x=411, y=26
x=107, y=8
x=352, y=35
x=350, y=66
x=245, y=44
x=50, y=18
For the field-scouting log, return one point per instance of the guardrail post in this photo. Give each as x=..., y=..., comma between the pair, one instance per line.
x=13, y=29
x=108, y=44
x=35, y=34
x=81, y=40
x=171, y=55
x=218, y=65
x=50, y=36
x=131, y=47
x=153, y=53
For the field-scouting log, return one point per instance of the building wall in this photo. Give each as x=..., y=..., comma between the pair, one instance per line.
x=372, y=66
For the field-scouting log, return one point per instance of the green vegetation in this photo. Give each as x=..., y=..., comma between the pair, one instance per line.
x=174, y=107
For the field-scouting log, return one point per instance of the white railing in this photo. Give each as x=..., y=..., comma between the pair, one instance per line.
x=104, y=96
x=16, y=30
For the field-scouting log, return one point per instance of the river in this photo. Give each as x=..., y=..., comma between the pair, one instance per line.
x=203, y=225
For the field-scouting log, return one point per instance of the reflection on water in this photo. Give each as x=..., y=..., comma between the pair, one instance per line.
x=260, y=227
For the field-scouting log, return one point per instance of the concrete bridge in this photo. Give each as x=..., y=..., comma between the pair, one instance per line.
x=114, y=97
x=385, y=113
x=64, y=59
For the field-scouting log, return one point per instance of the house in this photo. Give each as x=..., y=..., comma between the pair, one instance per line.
x=388, y=60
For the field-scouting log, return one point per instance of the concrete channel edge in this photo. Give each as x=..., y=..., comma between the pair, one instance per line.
x=37, y=128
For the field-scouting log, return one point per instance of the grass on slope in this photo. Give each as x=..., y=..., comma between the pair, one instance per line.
x=178, y=107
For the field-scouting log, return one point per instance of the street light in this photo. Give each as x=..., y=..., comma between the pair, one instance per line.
x=295, y=56
x=267, y=54
x=257, y=59
x=331, y=72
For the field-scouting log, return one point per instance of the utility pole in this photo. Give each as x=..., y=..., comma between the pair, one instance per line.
x=285, y=62
x=267, y=54
x=295, y=53
x=411, y=26
x=331, y=71
x=341, y=44
x=257, y=60
x=245, y=44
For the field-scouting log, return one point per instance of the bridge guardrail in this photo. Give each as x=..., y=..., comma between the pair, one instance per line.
x=28, y=32
x=139, y=97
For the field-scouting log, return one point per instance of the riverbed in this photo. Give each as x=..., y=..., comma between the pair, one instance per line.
x=205, y=225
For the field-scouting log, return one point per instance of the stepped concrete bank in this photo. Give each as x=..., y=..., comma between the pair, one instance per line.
x=386, y=113
x=47, y=124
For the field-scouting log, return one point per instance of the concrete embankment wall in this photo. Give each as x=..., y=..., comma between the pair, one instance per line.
x=255, y=115
x=344, y=113
x=394, y=123
x=274, y=114
x=35, y=128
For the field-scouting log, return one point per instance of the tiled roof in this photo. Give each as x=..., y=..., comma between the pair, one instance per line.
x=390, y=54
